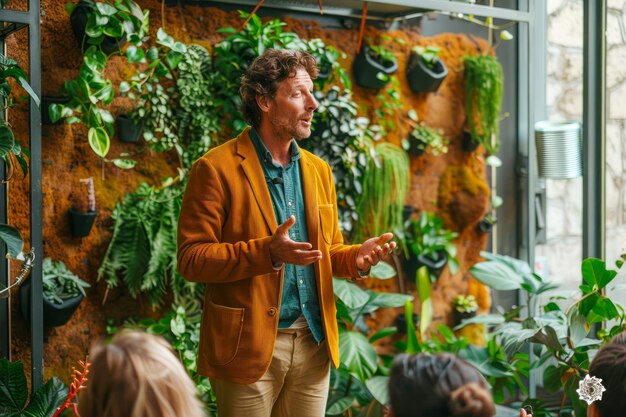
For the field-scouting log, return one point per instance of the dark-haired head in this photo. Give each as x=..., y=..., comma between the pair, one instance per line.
x=265, y=73
x=609, y=365
x=440, y=385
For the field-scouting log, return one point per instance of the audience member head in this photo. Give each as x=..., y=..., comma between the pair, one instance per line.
x=265, y=73
x=138, y=375
x=609, y=365
x=438, y=385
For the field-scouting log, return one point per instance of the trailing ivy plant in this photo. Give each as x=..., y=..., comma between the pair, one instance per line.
x=142, y=249
x=91, y=91
x=385, y=187
x=343, y=140
x=484, y=81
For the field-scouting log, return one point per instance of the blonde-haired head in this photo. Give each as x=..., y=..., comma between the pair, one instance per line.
x=138, y=375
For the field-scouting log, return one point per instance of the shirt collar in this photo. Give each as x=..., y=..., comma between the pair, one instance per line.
x=265, y=154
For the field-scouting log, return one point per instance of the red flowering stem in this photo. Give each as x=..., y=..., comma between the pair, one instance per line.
x=78, y=382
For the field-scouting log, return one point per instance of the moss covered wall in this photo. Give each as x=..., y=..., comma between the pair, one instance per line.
x=452, y=185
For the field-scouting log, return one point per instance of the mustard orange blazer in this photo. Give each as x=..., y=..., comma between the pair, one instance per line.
x=224, y=231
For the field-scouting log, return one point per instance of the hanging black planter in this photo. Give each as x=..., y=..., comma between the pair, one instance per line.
x=460, y=316
x=423, y=79
x=127, y=130
x=468, y=143
x=434, y=266
x=416, y=146
x=81, y=222
x=46, y=101
x=366, y=69
x=53, y=314
x=79, y=19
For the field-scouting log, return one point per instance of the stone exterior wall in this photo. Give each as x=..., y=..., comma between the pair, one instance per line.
x=563, y=250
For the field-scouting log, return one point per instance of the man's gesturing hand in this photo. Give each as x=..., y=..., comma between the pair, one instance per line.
x=285, y=250
x=373, y=250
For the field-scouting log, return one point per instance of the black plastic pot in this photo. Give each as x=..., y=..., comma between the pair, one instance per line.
x=400, y=322
x=460, y=316
x=81, y=222
x=468, y=144
x=434, y=266
x=416, y=147
x=366, y=69
x=423, y=79
x=53, y=314
x=46, y=101
x=79, y=19
x=485, y=226
x=127, y=130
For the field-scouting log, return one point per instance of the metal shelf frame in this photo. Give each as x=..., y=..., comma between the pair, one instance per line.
x=29, y=20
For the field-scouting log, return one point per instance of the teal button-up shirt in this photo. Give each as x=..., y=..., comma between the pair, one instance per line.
x=299, y=287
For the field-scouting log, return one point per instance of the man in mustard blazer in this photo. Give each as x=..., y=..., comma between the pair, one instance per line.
x=269, y=330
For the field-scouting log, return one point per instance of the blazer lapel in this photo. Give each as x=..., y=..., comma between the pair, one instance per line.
x=254, y=172
x=309, y=187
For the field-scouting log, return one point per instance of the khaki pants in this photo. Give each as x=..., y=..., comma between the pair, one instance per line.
x=295, y=385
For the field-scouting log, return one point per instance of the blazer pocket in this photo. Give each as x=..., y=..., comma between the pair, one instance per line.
x=327, y=222
x=225, y=325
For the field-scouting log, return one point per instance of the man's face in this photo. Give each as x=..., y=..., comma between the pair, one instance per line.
x=290, y=112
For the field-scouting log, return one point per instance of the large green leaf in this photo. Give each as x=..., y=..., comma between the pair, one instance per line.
x=47, y=399
x=13, y=388
x=13, y=239
x=378, y=387
x=383, y=270
x=358, y=356
x=351, y=294
x=595, y=273
x=496, y=275
x=390, y=300
x=7, y=140
x=338, y=407
x=426, y=310
x=412, y=345
x=99, y=141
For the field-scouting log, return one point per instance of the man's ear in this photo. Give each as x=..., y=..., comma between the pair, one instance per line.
x=263, y=102
x=592, y=410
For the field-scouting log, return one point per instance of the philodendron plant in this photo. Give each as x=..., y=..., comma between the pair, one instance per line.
x=560, y=338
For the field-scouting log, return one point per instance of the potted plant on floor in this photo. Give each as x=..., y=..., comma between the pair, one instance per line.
x=422, y=136
x=373, y=66
x=62, y=293
x=81, y=219
x=430, y=245
x=425, y=71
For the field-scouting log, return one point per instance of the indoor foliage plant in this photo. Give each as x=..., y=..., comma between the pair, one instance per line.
x=483, y=99
x=422, y=136
x=62, y=293
x=373, y=66
x=561, y=339
x=430, y=244
x=425, y=71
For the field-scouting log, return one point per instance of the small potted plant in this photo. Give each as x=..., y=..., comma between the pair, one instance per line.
x=62, y=293
x=465, y=307
x=373, y=66
x=430, y=245
x=422, y=137
x=327, y=58
x=425, y=71
x=81, y=219
x=107, y=24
